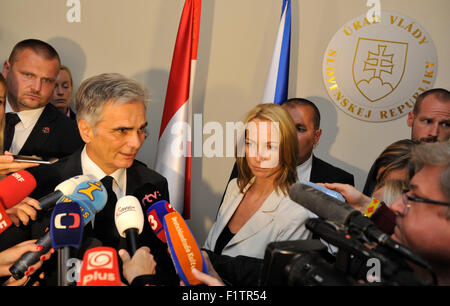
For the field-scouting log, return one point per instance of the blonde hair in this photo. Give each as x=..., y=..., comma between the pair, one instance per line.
x=288, y=147
x=392, y=190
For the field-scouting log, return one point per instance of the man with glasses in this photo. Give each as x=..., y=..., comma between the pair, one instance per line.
x=422, y=220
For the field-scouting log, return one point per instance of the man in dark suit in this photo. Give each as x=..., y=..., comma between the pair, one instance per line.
x=34, y=126
x=111, y=114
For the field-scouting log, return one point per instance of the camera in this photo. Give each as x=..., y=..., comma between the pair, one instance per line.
x=358, y=260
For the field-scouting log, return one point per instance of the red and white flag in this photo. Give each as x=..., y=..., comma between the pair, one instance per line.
x=173, y=159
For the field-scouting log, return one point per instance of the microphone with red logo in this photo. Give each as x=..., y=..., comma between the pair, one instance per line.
x=100, y=268
x=13, y=189
x=91, y=196
x=129, y=220
x=183, y=248
x=66, y=230
x=155, y=217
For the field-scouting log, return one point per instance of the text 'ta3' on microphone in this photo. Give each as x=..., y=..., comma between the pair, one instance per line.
x=66, y=230
x=129, y=220
x=28, y=259
x=183, y=248
x=64, y=188
x=100, y=268
x=155, y=218
x=339, y=212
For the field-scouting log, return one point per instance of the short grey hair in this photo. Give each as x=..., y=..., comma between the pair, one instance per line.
x=95, y=92
x=435, y=154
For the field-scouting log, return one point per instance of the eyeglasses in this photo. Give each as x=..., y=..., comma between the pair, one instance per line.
x=407, y=198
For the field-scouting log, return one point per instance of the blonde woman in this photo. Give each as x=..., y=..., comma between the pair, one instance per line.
x=256, y=209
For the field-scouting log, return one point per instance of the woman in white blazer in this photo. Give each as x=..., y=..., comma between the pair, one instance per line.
x=256, y=209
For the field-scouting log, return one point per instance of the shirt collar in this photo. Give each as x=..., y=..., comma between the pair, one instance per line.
x=90, y=167
x=304, y=170
x=27, y=117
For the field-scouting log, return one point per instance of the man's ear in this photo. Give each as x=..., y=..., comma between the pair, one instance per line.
x=86, y=131
x=6, y=68
x=317, y=134
x=410, y=120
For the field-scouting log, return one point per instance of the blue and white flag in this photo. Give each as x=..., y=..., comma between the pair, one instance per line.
x=276, y=89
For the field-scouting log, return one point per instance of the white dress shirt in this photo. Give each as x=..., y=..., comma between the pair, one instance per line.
x=28, y=119
x=304, y=170
x=119, y=176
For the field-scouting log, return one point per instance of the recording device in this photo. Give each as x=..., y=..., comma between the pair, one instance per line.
x=129, y=220
x=16, y=187
x=339, y=212
x=64, y=188
x=183, y=248
x=66, y=230
x=358, y=240
x=34, y=159
x=100, y=268
x=91, y=196
x=13, y=189
x=155, y=217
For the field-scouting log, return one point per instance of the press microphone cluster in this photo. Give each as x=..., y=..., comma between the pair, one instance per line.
x=91, y=197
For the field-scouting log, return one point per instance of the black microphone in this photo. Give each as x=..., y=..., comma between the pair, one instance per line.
x=339, y=212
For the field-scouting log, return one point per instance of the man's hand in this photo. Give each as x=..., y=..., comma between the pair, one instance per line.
x=142, y=263
x=352, y=195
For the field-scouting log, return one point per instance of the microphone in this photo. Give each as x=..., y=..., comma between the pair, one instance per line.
x=93, y=193
x=129, y=220
x=155, y=217
x=88, y=207
x=339, y=212
x=183, y=248
x=64, y=188
x=15, y=187
x=66, y=230
x=100, y=268
x=5, y=221
x=147, y=195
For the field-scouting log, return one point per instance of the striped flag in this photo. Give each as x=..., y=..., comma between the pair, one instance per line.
x=277, y=83
x=173, y=158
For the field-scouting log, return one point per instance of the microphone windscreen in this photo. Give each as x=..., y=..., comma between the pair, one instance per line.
x=68, y=186
x=183, y=248
x=148, y=194
x=5, y=221
x=66, y=225
x=100, y=268
x=15, y=187
x=321, y=204
x=86, y=211
x=128, y=214
x=331, y=193
x=93, y=193
x=155, y=218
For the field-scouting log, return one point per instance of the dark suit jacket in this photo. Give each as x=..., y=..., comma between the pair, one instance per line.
x=323, y=172
x=49, y=176
x=54, y=135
